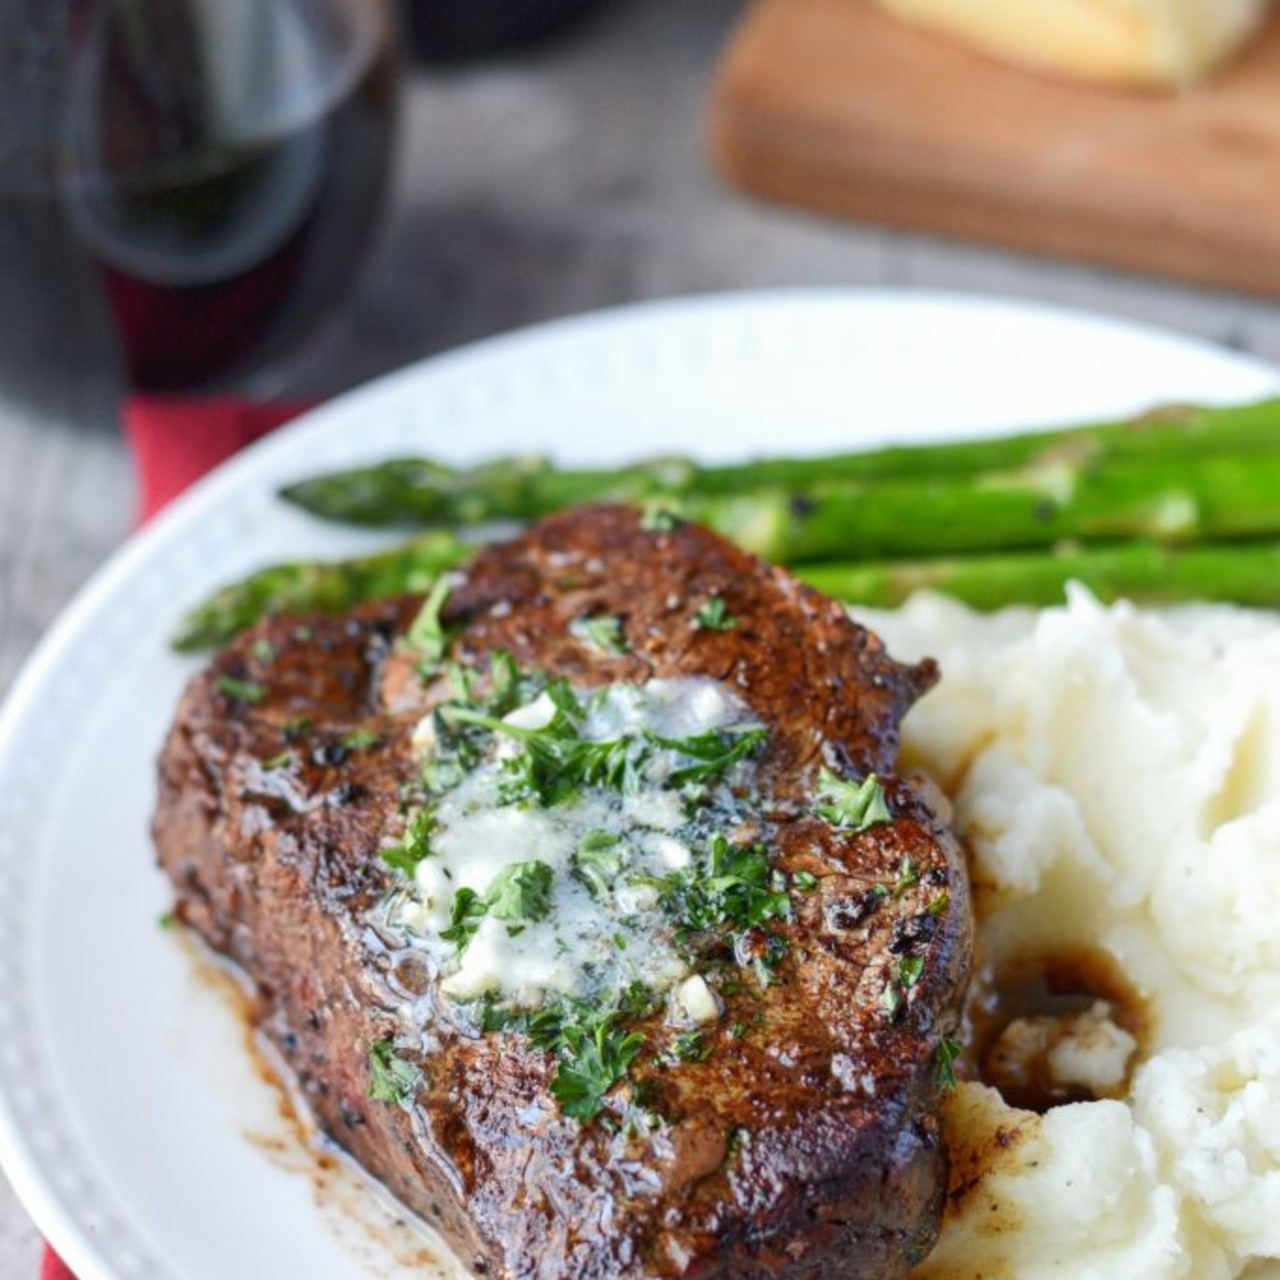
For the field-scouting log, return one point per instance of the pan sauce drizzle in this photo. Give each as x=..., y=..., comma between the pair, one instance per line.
x=367, y=1222
x=1052, y=1028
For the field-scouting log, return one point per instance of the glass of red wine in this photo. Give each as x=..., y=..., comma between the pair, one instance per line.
x=186, y=186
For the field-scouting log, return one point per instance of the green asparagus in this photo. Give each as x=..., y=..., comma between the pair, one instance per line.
x=410, y=491
x=1145, y=572
x=1175, y=502
x=318, y=586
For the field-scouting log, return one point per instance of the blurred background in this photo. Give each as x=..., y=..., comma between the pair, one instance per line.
x=549, y=156
x=491, y=163
x=546, y=157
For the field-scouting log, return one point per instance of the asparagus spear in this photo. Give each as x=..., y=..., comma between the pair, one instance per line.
x=1216, y=498
x=409, y=491
x=315, y=586
x=1144, y=572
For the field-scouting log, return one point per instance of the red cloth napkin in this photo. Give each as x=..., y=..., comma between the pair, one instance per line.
x=174, y=442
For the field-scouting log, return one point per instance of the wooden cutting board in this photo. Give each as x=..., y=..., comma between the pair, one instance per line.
x=832, y=105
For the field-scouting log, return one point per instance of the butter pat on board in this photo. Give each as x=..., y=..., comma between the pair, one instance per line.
x=1145, y=43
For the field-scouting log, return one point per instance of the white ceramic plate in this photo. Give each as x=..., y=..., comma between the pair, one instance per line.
x=125, y=1100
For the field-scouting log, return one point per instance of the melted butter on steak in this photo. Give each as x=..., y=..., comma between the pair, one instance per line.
x=594, y=866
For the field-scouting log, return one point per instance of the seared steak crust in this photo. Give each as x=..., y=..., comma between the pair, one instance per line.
x=806, y=1146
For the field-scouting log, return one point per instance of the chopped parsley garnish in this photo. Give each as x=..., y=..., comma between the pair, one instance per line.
x=733, y=887
x=714, y=752
x=262, y=649
x=659, y=517
x=557, y=766
x=295, y=727
x=593, y=1049
x=909, y=970
x=426, y=632
x=906, y=974
x=690, y=1046
x=516, y=738
x=805, y=881
x=908, y=875
x=945, y=1058
x=519, y=895
x=555, y=762
x=851, y=806
x=416, y=844
x=509, y=687
x=469, y=908
x=599, y=860
x=391, y=1078
x=241, y=690
x=360, y=740
x=712, y=615
x=938, y=907
x=279, y=760
x=603, y=631
x=891, y=998
x=460, y=746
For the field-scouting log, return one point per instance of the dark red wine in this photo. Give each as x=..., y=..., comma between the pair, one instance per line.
x=208, y=232
x=442, y=30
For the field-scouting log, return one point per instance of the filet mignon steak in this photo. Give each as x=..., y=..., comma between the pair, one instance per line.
x=788, y=1128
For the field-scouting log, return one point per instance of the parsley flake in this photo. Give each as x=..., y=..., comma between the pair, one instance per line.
x=468, y=909
x=556, y=763
x=415, y=846
x=851, y=806
x=360, y=740
x=733, y=887
x=689, y=1046
x=945, y=1057
x=891, y=999
x=602, y=631
x=593, y=1050
x=241, y=690
x=712, y=615
x=599, y=860
x=659, y=517
x=426, y=632
x=713, y=753
x=295, y=727
x=908, y=875
x=520, y=894
x=909, y=970
x=391, y=1078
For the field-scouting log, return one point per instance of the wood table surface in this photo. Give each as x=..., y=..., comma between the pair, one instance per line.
x=553, y=182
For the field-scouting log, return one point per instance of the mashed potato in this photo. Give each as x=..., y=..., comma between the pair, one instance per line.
x=1116, y=777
